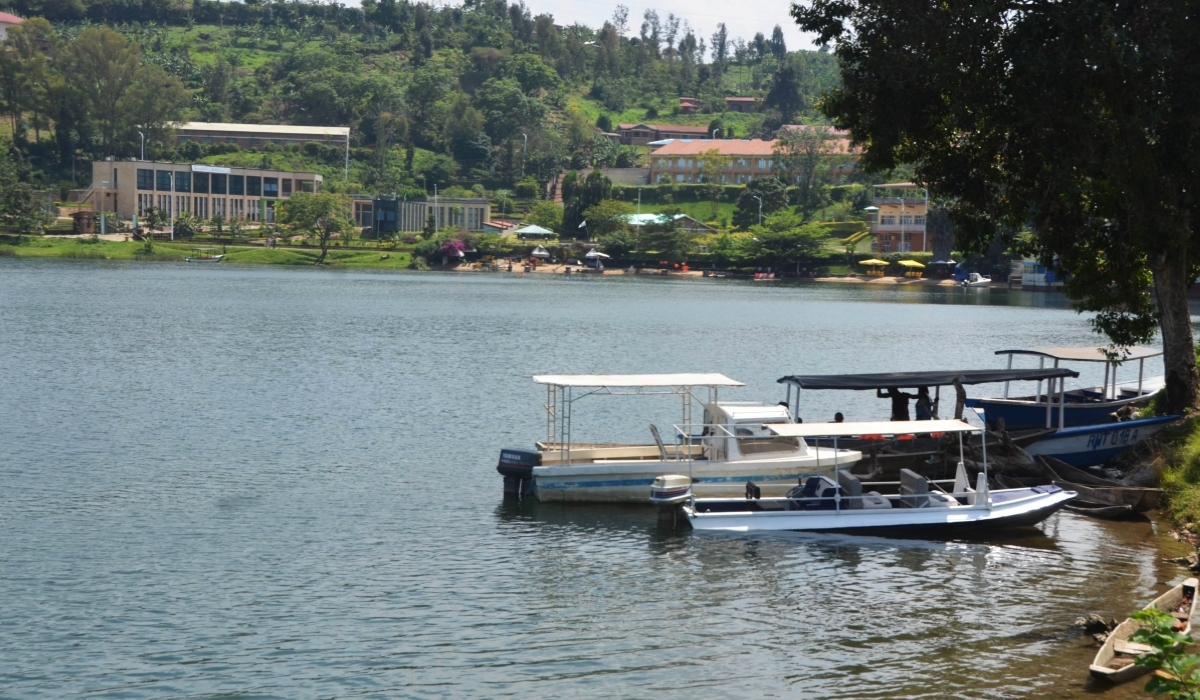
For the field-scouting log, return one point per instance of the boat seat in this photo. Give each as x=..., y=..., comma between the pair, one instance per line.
x=662, y=450
x=1122, y=646
x=914, y=489
x=873, y=500
x=852, y=488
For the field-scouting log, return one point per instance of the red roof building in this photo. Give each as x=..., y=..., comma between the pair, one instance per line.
x=8, y=20
x=740, y=104
x=643, y=134
x=678, y=160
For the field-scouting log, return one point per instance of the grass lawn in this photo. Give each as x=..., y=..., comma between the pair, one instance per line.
x=700, y=211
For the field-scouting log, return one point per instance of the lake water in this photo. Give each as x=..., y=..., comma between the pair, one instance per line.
x=279, y=483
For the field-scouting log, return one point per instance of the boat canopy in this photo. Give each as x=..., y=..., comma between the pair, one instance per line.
x=880, y=427
x=901, y=380
x=636, y=380
x=1138, y=352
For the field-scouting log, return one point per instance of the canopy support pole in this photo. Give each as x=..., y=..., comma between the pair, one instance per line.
x=837, y=492
x=1049, y=399
x=1041, y=365
x=1104, y=395
x=1141, y=366
x=1006, y=383
x=1062, y=405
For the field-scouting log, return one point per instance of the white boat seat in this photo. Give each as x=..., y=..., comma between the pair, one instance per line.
x=853, y=488
x=914, y=489
x=938, y=499
x=1122, y=646
x=873, y=500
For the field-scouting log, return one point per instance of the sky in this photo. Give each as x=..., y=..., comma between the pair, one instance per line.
x=704, y=15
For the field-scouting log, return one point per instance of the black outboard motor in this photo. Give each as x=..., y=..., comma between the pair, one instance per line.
x=516, y=466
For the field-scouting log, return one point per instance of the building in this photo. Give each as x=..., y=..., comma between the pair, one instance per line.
x=643, y=134
x=384, y=215
x=740, y=104
x=679, y=161
x=8, y=20
x=258, y=135
x=842, y=154
x=898, y=218
x=131, y=188
x=682, y=221
x=688, y=105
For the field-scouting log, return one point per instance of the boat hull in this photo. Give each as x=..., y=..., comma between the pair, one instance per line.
x=214, y=259
x=1101, y=665
x=1088, y=446
x=630, y=482
x=951, y=522
x=1026, y=415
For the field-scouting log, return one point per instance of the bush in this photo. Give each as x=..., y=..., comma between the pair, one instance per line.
x=527, y=188
x=604, y=123
x=426, y=249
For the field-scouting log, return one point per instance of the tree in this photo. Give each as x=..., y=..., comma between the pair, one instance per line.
x=595, y=189
x=101, y=67
x=712, y=166
x=22, y=209
x=784, y=94
x=619, y=243
x=532, y=73
x=774, y=197
x=547, y=214
x=803, y=155
x=666, y=238
x=784, y=239
x=186, y=225
x=778, y=45
x=606, y=217
x=1077, y=120
x=321, y=214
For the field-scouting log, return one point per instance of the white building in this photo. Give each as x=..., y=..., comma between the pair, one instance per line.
x=6, y=21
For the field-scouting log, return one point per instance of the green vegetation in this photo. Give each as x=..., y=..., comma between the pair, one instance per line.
x=1182, y=671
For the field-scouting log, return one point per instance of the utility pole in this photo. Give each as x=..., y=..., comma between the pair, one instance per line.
x=759, y=208
x=524, y=147
x=714, y=133
x=143, y=145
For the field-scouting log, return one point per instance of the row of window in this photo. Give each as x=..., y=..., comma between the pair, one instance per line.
x=218, y=183
x=905, y=220
x=204, y=207
x=734, y=163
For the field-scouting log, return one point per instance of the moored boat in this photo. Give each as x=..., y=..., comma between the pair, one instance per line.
x=1138, y=498
x=1089, y=445
x=205, y=255
x=733, y=444
x=1115, y=660
x=1098, y=510
x=844, y=503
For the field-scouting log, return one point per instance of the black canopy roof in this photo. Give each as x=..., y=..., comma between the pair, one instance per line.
x=908, y=380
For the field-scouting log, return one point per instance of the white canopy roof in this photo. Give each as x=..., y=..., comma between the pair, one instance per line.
x=533, y=228
x=880, y=427
x=1137, y=352
x=636, y=380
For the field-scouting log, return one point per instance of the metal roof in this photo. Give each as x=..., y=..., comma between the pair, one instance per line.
x=636, y=380
x=910, y=380
x=880, y=427
x=342, y=131
x=1138, y=352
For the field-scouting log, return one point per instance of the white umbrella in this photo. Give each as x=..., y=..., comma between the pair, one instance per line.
x=593, y=253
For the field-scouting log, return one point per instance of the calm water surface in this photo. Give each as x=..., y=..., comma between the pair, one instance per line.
x=238, y=482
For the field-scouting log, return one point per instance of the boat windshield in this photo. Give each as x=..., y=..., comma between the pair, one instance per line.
x=757, y=438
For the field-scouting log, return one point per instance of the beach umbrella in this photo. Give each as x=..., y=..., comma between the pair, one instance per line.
x=911, y=263
x=873, y=262
x=593, y=253
x=540, y=252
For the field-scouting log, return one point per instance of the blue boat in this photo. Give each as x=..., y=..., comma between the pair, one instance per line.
x=1055, y=407
x=1090, y=445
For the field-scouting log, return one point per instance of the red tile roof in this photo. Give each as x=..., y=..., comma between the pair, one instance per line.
x=726, y=147
x=6, y=18
x=673, y=128
x=741, y=99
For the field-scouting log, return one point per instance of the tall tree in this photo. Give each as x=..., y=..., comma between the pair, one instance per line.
x=321, y=214
x=778, y=45
x=803, y=154
x=101, y=66
x=773, y=196
x=784, y=94
x=1079, y=119
x=712, y=173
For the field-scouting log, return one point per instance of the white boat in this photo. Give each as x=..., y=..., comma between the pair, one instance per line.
x=204, y=255
x=843, y=503
x=976, y=280
x=1089, y=406
x=1115, y=660
x=733, y=444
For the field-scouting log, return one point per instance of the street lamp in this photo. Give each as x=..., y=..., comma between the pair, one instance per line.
x=143, y=145
x=714, y=133
x=759, y=208
x=524, y=147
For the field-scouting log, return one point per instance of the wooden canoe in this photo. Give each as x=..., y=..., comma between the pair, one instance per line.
x=1114, y=661
x=1140, y=499
x=1098, y=510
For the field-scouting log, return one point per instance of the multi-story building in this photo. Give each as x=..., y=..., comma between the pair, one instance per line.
x=644, y=134
x=384, y=215
x=131, y=188
x=740, y=104
x=681, y=161
x=898, y=218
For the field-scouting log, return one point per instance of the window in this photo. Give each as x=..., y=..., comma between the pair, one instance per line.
x=887, y=246
x=115, y=185
x=741, y=163
x=906, y=220
x=287, y=187
x=757, y=439
x=253, y=185
x=270, y=187
x=762, y=164
x=362, y=213
x=889, y=220
x=200, y=183
x=145, y=179
x=162, y=180
x=679, y=177
x=183, y=181
x=230, y=140
x=919, y=220
x=304, y=185
x=219, y=183
x=237, y=184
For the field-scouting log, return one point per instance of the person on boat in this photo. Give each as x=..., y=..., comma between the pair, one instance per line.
x=924, y=404
x=899, y=402
x=838, y=417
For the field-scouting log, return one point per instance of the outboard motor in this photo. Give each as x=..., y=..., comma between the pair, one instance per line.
x=516, y=466
x=667, y=493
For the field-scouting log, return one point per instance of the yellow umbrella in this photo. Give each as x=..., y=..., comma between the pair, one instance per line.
x=873, y=262
x=911, y=263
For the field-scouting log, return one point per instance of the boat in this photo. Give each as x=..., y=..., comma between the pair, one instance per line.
x=733, y=444
x=923, y=450
x=1099, y=510
x=204, y=255
x=976, y=280
x=1115, y=660
x=843, y=503
x=1138, y=498
x=1089, y=445
x=1077, y=407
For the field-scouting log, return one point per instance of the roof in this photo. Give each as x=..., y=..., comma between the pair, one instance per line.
x=738, y=412
x=533, y=229
x=725, y=147
x=899, y=427
x=6, y=18
x=342, y=131
x=843, y=133
x=499, y=224
x=1087, y=354
x=897, y=185
x=677, y=128
x=741, y=99
x=908, y=380
x=636, y=380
